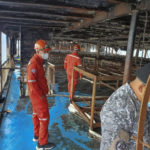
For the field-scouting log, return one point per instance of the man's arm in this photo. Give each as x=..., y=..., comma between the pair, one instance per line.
x=44, y=85
x=114, y=130
x=32, y=81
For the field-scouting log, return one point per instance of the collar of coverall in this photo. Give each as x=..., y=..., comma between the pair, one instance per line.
x=74, y=53
x=38, y=59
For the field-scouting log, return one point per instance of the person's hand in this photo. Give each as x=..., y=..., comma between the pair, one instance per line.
x=80, y=77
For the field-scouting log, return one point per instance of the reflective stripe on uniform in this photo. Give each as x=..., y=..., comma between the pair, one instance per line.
x=31, y=80
x=43, y=119
x=34, y=114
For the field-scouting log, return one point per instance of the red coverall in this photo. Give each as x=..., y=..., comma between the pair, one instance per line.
x=72, y=60
x=37, y=87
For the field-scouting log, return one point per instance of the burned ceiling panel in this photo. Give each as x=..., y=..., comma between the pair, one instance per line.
x=93, y=21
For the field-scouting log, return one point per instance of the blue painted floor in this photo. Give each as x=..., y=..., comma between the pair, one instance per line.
x=68, y=131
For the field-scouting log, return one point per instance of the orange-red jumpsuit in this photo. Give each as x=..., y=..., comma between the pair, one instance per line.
x=37, y=87
x=72, y=60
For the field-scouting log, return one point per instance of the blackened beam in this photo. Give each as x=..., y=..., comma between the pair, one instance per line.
x=113, y=1
x=51, y=28
x=34, y=20
x=48, y=7
x=119, y=10
x=41, y=14
x=27, y=23
x=145, y=5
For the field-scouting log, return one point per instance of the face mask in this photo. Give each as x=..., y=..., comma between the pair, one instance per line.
x=149, y=104
x=45, y=56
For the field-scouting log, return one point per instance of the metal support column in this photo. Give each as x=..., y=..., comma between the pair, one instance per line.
x=145, y=53
x=130, y=48
x=1, y=66
x=1, y=74
x=138, y=48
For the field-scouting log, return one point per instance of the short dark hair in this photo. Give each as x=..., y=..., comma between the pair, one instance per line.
x=143, y=73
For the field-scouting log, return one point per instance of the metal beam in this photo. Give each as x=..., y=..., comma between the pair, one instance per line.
x=27, y=23
x=32, y=26
x=113, y=1
x=41, y=14
x=119, y=10
x=144, y=5
x=34, y=20
x=48, y=7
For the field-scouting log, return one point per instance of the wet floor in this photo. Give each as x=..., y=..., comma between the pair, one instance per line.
x=68, y=131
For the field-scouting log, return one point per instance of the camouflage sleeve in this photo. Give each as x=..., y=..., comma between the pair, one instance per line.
x=147, y=129
x=115, y=126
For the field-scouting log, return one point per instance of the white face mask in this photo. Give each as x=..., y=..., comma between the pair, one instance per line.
x=45, y=56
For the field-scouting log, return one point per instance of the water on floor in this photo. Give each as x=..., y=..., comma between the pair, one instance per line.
x=68, y=131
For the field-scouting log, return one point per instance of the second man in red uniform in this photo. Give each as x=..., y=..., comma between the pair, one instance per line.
x=72, y=60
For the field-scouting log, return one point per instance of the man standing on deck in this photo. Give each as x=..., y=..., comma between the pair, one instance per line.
x=72, y=60
x=120, y=114
x=38, y=89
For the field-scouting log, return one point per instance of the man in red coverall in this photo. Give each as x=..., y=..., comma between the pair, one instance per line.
x=37, y=87
x=72, y=60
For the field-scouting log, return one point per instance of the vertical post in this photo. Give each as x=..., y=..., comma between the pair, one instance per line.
x=142, y=116
x=93, y=103
x=53, y=78
x=97, y=55
x=145, y=53
x=117, y=84
x=106, y=49
x=20, y=43
x=23, y=77
x=1, y=64
x=109, y=49
x=130, y=48
x=7, y=48
x=21, y=83
x=137, y=54
x=112, y=51
x=70, y=46
x=59, y=45
x=86, y=47
x=138, y=48
x=72, y=84
x=17, y=47
x=49, y=78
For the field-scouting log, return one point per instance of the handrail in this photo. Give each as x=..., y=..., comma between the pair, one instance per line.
x=4, y=65
x=6, y=95
x=145, y=144
x=4, y=62
x=142, y=116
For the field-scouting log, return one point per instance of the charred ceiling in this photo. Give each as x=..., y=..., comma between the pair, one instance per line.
x=95, y=21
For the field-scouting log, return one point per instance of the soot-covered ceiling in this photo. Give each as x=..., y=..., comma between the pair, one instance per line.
x=93, y=21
